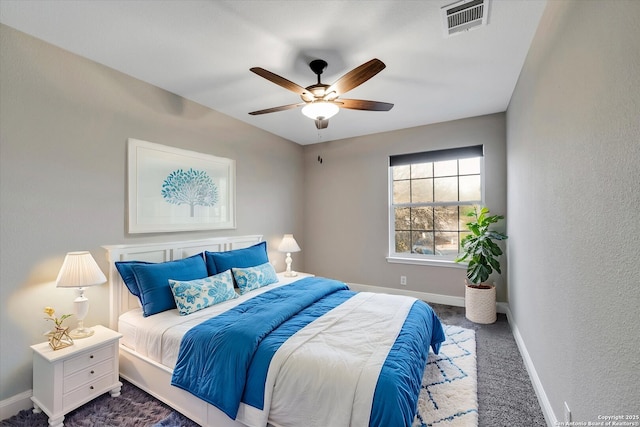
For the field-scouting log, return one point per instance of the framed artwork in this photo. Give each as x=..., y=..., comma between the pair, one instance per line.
x=171, y=189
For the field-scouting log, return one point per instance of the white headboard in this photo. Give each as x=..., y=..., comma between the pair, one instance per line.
x=121, y=300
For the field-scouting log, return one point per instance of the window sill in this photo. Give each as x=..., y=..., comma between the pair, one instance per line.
x=429, y=262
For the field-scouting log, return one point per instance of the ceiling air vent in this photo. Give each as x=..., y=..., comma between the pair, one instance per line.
x=464, y=15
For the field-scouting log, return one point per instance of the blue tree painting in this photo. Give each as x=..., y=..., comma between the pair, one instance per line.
x=191, y=187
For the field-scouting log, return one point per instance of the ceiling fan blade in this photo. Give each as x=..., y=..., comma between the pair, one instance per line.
x=276, y=109
x=322, y=123
x=281, y=81
x=356, y=77
x=361, y=104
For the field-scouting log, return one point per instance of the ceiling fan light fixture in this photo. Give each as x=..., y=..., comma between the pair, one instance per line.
x=320, y=109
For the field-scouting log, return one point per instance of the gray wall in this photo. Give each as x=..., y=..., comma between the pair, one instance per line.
x=573, y=132
x=64, y=125
x=573, y=150
x=347, y=199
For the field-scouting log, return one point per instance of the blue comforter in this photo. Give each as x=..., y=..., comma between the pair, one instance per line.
x=225, y=360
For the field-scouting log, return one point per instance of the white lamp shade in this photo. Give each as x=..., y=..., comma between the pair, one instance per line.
x=320, y=110
x=288, y=244
x=79, y=270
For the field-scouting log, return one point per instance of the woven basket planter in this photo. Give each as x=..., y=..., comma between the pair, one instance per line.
x=480, y=304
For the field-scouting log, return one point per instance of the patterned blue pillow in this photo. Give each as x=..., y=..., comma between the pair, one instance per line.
x=251, y=278
x=197, y=294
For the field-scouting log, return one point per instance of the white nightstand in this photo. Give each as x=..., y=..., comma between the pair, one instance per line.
x=68, y=378
x=299, y=275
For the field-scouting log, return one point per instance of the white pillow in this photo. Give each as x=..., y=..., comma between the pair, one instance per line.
x=194, y=295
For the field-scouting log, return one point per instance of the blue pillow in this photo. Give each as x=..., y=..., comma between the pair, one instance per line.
x=153, y=281
x=194, y=295
x=256, y=277
x=217, y=262
x=129, y=279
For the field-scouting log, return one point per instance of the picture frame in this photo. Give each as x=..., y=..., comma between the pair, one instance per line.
x=172, y=189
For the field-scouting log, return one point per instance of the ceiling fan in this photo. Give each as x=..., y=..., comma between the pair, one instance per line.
x=321, y=101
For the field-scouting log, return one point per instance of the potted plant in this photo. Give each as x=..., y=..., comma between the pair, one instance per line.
x=482, y=255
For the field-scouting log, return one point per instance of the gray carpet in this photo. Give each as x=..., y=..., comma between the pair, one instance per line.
x=505, y=394
x=132, y=408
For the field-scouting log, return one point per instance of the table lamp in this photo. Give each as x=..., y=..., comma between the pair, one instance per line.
x=289, y=245
x=79, y=270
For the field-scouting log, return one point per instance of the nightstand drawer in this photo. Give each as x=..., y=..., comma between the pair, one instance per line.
x=87, y=375
x=86, y=392
x=88, y=359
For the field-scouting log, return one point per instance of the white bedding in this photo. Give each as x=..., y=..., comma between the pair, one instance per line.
x=158, y=337
x=353, y=361
x=333, y=358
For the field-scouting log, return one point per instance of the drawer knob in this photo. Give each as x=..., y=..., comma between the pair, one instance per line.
x=91, y=357
x=91, y=388
x=92, y=372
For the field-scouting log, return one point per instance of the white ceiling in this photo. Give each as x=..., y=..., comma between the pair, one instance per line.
x=203, y=49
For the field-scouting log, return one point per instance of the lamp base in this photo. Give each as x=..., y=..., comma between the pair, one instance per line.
x=290, y=274
x=81, y=333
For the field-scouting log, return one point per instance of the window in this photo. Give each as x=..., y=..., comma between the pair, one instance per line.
x=430, y=194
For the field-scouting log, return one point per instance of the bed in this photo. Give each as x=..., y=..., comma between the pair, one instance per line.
x=276, y=350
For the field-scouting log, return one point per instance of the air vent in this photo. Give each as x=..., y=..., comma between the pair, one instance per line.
x=464, y=15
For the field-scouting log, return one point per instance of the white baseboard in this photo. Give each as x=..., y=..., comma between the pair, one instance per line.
x=11, y=406
x=501, y=307
x=434, y=298
x=547, y=410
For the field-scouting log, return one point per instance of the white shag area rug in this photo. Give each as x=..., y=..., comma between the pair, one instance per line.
x=449, y=386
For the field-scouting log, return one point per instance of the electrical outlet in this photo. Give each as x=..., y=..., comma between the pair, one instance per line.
x=403, y=280
x=567, y=413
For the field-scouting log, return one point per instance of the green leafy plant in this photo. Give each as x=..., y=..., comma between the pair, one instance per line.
x=479, y=248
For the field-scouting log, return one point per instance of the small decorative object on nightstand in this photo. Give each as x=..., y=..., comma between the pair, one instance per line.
x=59, y=337
x=66, y=379
x=289, y=245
